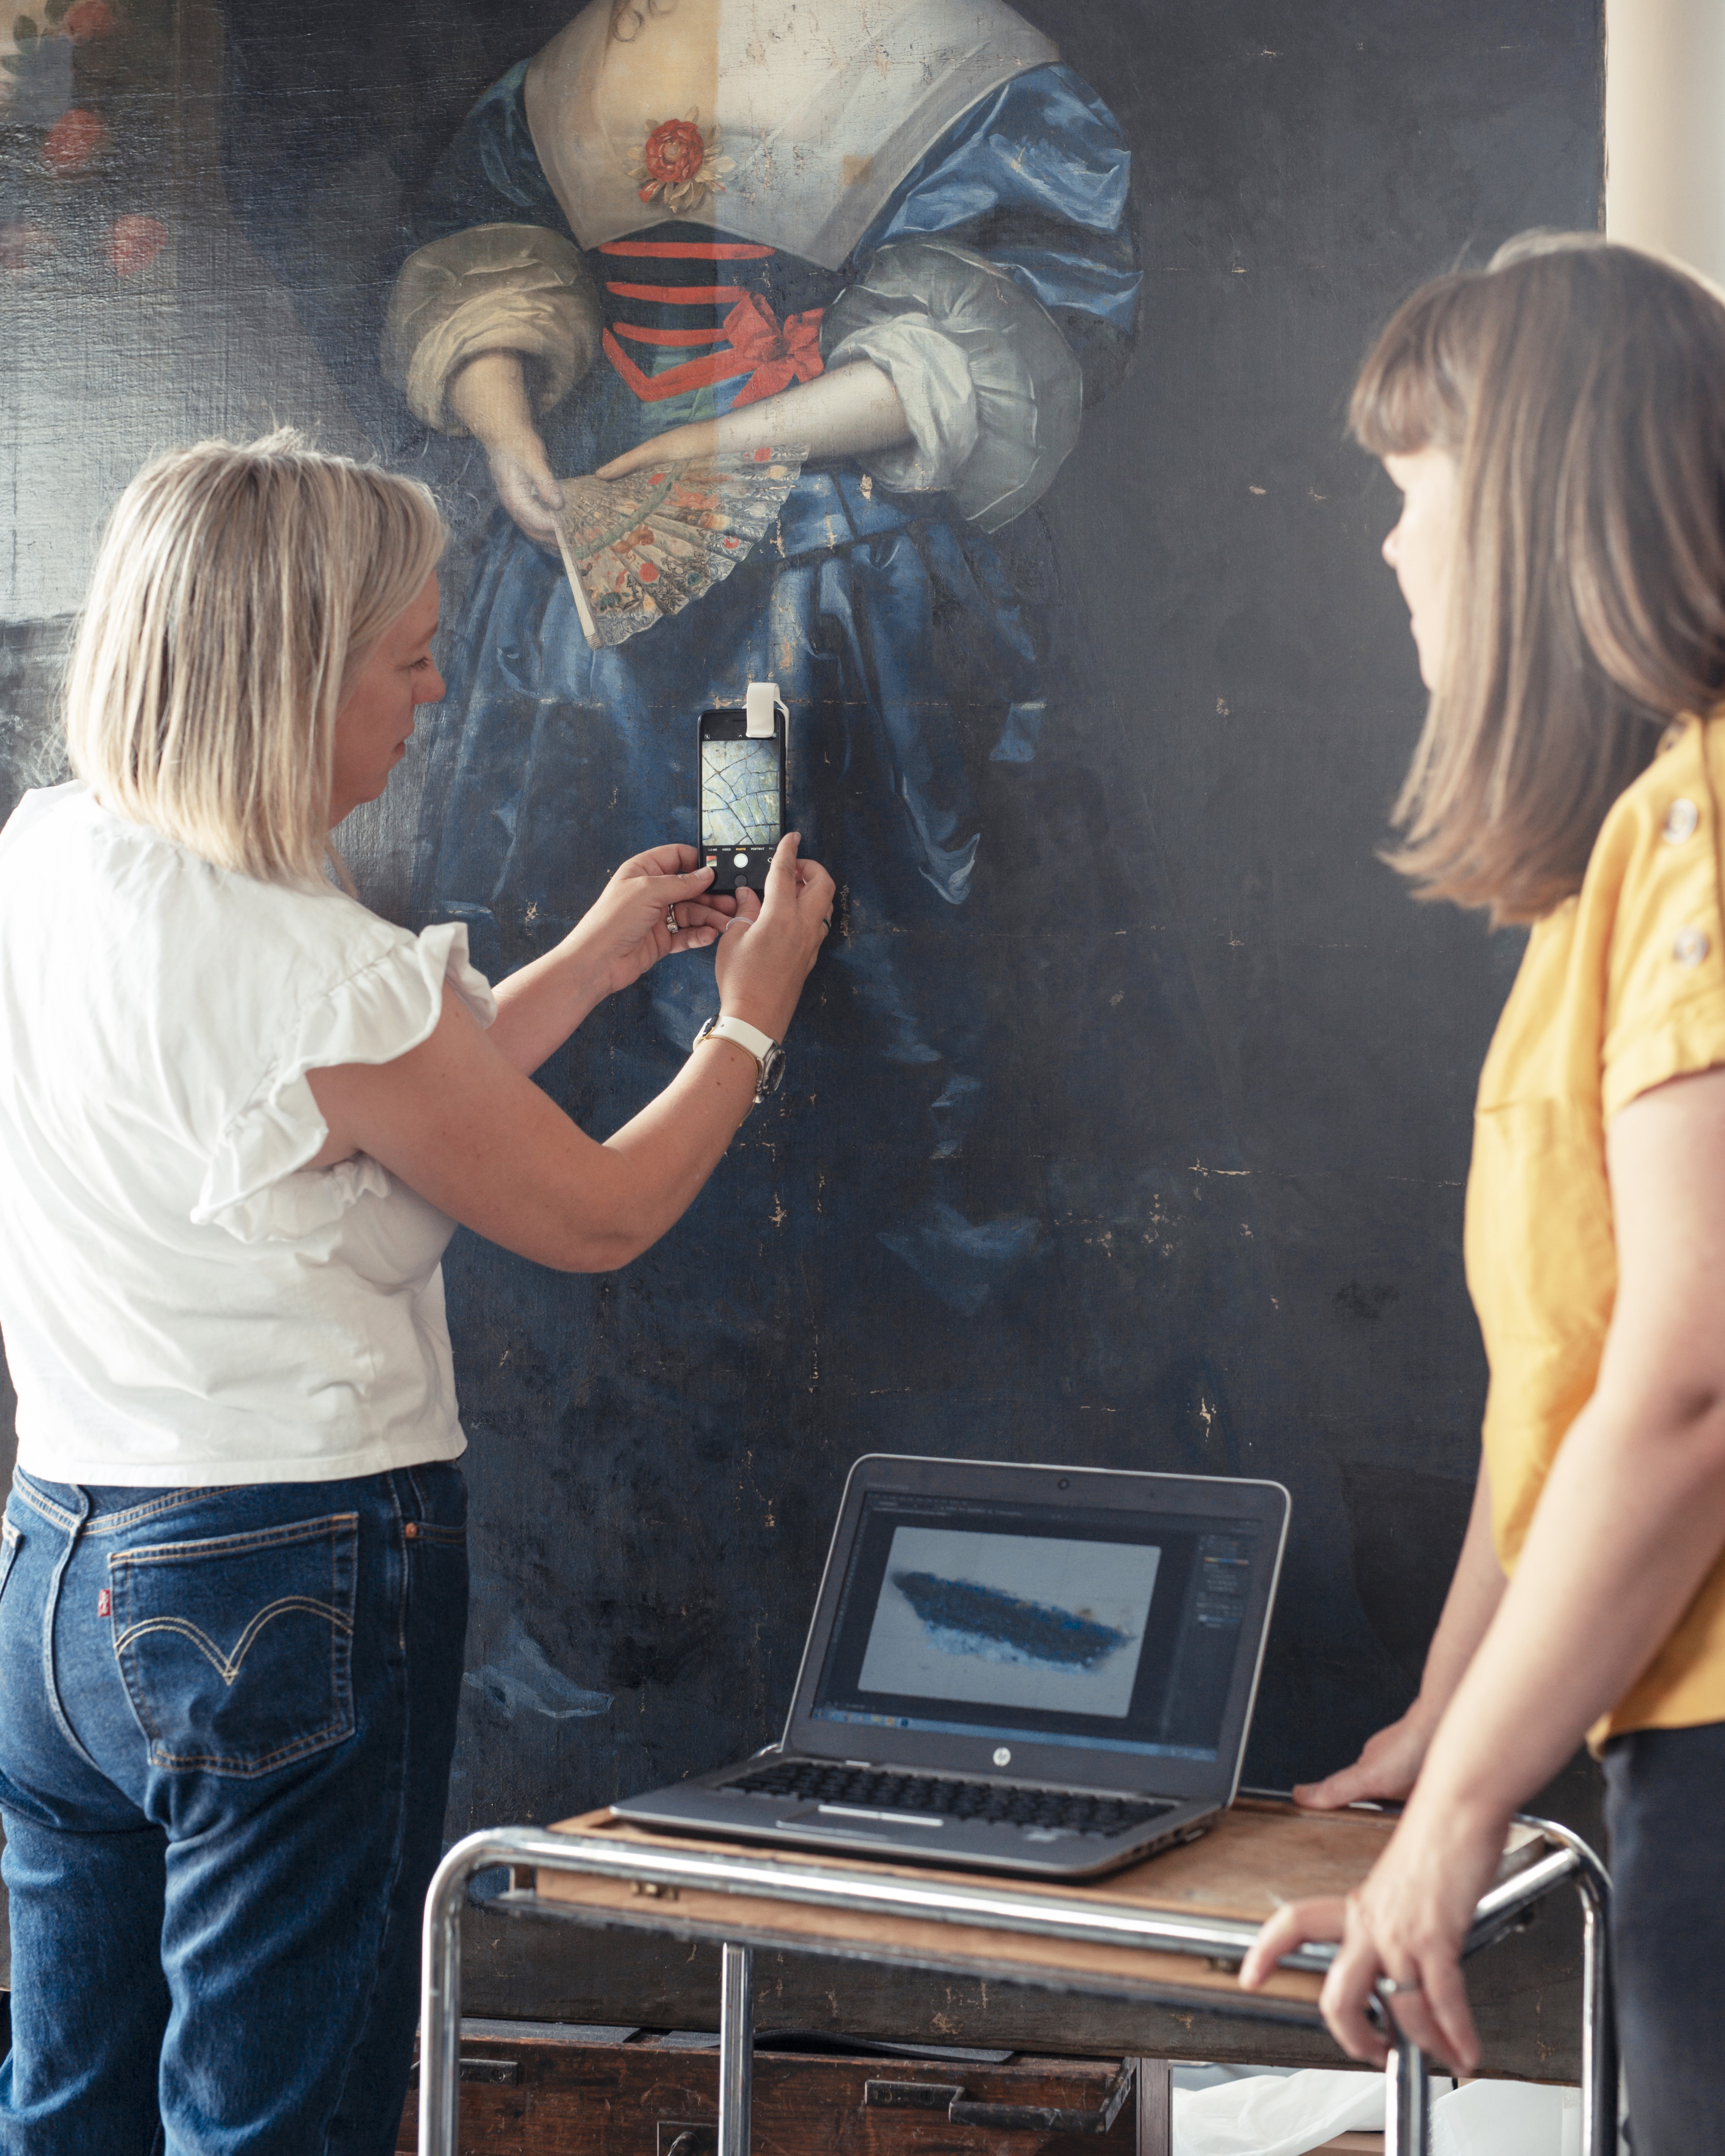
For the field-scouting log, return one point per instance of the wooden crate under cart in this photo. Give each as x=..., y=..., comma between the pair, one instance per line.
x=534, y=2089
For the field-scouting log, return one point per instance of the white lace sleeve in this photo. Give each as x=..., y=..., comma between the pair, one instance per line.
x=492, y=288
x=991, y=388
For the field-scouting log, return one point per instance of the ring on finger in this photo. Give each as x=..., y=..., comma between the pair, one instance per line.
x=1395, y=1986
x=670, y=918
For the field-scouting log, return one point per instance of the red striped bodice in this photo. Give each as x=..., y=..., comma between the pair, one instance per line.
x=701, y=296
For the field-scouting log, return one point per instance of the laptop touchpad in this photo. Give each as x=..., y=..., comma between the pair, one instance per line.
x=856, y=1819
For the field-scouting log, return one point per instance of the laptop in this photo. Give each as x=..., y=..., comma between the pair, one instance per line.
x=1042, y=1669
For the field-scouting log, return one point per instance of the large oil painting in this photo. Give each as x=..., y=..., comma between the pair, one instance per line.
x=1115, y=1129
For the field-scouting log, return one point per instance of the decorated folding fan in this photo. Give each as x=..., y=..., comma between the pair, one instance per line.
x=641, y=547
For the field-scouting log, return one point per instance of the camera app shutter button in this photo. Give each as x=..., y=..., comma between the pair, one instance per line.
x=739, y=861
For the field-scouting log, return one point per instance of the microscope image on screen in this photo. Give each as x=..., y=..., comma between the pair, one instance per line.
x=739, y=794
x=1014, y=1620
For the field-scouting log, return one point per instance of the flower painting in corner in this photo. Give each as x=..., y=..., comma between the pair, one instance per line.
x=86, y=164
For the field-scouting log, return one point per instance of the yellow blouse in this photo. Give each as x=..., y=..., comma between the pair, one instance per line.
x=1621, y=987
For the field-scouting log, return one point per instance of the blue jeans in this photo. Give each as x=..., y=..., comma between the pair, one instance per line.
x=1665, y=1816
x=226, y=1722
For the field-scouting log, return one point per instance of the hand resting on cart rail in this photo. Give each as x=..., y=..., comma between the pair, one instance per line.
x=1630, y=1521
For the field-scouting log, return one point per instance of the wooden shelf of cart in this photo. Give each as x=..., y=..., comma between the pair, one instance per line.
x=1258, y=1856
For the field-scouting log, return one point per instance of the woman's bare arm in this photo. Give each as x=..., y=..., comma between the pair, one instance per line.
x=458, y=1120
x=458, y=1123
x=1630, y=1522
x=626, y=930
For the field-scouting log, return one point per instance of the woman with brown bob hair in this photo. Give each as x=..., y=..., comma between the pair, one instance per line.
x=1555, y=425
x=240, y=1118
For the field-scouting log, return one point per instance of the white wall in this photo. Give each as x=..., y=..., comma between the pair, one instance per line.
x=1665, y=128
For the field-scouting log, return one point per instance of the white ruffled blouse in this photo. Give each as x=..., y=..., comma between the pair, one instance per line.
x=184, y=1301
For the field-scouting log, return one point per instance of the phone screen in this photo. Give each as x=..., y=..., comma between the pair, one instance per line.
x=739, y=803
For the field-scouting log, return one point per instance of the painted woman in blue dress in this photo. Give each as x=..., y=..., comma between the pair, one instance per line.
x=893, y=232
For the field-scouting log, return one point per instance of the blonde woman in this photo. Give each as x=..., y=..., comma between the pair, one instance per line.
x=239, y=1118
x=1556, y=429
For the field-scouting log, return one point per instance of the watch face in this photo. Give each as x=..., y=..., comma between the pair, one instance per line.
x=773, y=1069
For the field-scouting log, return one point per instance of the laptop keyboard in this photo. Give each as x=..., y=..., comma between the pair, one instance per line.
x=992, y=1804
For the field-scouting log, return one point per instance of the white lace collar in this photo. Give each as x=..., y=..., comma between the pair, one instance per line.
x=823, y=107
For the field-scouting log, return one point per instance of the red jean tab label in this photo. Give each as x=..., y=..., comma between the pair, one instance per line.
x=104, y=1603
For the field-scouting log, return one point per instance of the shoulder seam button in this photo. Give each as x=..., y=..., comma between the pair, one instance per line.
x=1682, y=819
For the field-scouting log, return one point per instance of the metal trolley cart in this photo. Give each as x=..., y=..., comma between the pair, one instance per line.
x=1172, y=1929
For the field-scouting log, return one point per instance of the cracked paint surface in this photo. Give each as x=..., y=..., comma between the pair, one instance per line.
x=739, y=792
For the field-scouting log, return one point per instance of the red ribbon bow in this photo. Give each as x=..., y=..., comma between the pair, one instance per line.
x=779, y=352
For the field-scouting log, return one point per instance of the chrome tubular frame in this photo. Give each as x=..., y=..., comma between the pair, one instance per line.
x=736, y=2047
x=1407, y=2101
x=990, y=1906
x=1599, y=2022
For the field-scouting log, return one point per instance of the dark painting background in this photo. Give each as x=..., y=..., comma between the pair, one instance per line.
x=1236, y=1063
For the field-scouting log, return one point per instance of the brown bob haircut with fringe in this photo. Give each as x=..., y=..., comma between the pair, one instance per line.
x=1581, y=388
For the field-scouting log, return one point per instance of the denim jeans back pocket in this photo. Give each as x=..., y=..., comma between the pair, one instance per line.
x=237, y=1652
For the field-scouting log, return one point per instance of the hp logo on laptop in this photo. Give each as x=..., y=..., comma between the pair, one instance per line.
x=1002, y=1757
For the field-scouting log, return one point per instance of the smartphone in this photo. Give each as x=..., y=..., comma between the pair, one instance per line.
x=742, y=787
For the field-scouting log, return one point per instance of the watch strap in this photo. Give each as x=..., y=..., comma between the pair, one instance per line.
x=769, y=1056
x=759, y=1044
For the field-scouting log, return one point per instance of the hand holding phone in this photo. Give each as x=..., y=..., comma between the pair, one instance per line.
x=627, y=928
x=766, y=953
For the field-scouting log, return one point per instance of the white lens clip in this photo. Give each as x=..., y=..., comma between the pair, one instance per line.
x=759, y=704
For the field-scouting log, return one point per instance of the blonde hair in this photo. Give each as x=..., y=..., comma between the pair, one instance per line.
x=239, y=588
x=1581, y=388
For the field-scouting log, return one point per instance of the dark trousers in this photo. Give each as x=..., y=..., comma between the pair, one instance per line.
x=226, y=1720
x=1664, y=1811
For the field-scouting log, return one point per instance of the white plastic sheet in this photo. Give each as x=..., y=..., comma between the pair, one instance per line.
x=1507, y=2118
x=1272, y=2115
x=1268, y=2115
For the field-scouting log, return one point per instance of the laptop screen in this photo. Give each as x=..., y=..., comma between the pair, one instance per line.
x=1056, y=1625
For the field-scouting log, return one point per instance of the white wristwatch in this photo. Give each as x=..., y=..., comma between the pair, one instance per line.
x=765, y=1049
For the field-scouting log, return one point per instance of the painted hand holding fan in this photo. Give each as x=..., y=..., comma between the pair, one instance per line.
x=643, y=546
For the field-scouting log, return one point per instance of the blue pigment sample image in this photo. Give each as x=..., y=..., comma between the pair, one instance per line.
x=1010, y=1620
x=964, y=1618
